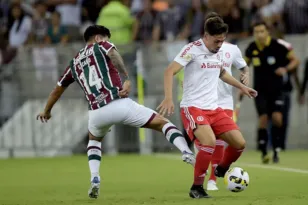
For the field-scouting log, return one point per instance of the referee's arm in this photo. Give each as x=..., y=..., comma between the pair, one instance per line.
x=294, y=61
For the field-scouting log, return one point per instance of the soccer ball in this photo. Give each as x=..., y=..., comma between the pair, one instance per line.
x=236, y=179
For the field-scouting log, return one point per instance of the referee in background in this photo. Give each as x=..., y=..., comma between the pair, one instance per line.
x=272, y=60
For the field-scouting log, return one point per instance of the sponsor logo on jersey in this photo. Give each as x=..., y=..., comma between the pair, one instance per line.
x=200, y=118
x=225, y=64
x=210, y=65
x=255, y=52
x=100, y=98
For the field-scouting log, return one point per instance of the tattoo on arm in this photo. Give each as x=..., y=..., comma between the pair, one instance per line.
x=117, y=61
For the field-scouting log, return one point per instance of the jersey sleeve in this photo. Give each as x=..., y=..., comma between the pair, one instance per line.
x=67, y=78
x=106, y=46
x=286, y=47
x=238, y=62
x=185, y=56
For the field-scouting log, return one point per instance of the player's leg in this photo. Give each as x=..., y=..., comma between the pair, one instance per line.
x=141, y=116
x=226, y=129
x=198, y=128
x=262, y=135
x=100, y=121
x=217, y=157
x=277, y=105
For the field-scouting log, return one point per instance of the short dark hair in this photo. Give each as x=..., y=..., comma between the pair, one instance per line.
x=215, y=26
x=96, y=30
x=260, y=23
x=211, y=15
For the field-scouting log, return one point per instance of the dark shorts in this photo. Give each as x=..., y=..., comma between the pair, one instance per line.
x=267, y=103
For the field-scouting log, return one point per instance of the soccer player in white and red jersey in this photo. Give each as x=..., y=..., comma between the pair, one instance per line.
x=96, y=69
x=231, y=56
x=201, y=116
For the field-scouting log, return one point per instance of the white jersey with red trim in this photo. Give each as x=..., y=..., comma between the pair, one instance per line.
x=231, y=56
x=201, y=75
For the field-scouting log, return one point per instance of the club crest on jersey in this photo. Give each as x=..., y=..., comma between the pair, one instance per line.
x=227, y=55
x=200, y=118
x=271, y=60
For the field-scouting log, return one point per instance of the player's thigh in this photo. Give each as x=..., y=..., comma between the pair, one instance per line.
x=101, y=120
x=141, y=116
x=205, y=135
x=221, y=123
x=197, y=126
x=234, y=138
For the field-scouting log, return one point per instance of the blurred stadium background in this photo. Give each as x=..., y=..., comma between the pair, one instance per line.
x=38, y=38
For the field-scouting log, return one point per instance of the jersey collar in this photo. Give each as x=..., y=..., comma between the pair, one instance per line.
x=267, y=43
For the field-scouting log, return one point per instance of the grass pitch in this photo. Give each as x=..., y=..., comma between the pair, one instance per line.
x=147, y=180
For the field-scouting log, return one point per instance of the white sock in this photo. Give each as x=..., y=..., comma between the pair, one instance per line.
x=175, y=136
x=94, y=157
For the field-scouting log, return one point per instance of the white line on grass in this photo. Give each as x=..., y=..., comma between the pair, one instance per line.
x=285, y=169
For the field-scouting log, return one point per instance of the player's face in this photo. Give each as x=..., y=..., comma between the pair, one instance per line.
x=214, y=43
x=260, y=33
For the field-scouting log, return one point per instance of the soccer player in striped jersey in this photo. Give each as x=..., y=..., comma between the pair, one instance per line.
x=96, y=69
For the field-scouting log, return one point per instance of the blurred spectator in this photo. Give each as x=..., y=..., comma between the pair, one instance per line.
x=231, y=14
x=116, y=16
x=138, y=6
x=144, y=23
x=91, y=9
x=21, y=28
x=193, y=28
x=70, y=11
x=169, y=23
x=296, y=16
x=57, y=33
x=40, y=22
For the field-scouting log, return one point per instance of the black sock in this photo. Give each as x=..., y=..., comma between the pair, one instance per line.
x=276, y=136
x=262, y=141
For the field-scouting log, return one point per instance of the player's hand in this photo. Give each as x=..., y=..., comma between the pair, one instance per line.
x=251, y=93
x=281, y=71
x=126, y=89
x=166, y=107
x=43, y=116
x=245, y=78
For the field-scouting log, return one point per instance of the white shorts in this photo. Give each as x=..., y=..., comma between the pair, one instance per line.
x=122, y=111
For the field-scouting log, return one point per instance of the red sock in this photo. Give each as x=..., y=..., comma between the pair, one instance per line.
x=230, y=156
x=217, y=157
x=203, y=160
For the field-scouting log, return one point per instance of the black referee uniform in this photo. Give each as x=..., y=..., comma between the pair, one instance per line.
x=270, y=86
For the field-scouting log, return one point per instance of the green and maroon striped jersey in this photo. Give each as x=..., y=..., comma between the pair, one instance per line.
x=93, y=70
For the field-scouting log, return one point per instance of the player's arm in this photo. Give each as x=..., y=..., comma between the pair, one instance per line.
x=172, y=70
x=229, y=79
x=167, y=106
x=118, y=62
x=65, y=80
x=54, y=96
x=294, y=61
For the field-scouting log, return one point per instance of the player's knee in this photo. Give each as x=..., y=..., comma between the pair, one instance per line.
x=263, y=121
x=205, y=136
x=157, y=123
x=241, y=144
x=92, y=137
